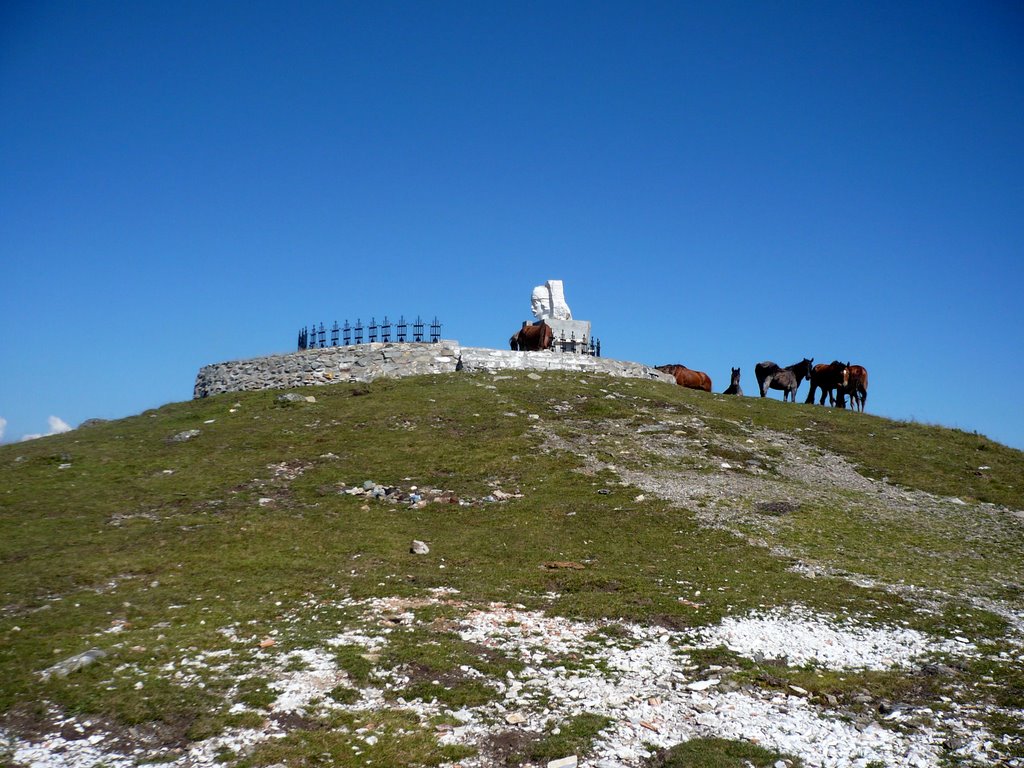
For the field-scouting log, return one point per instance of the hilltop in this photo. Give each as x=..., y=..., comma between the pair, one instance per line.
x=618, y=570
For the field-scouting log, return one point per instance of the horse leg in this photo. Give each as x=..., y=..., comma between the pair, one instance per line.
x=765, y=383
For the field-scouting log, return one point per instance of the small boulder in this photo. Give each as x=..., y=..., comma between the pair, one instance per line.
x=419, y=547
x=73, y=664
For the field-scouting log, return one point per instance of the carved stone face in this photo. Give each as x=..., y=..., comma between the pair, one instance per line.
x=548, y=301
x=540, y=302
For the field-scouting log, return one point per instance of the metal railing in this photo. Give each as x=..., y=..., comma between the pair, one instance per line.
x=316, y=336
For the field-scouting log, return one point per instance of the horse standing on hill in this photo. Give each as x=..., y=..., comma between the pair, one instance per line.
x=686, y=377
x=532, y=338
x=770, y=375
x=856, y=387
x=734, y=384
x=830, y=378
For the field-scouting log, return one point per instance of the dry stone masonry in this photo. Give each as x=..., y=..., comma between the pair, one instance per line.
x=366, y=362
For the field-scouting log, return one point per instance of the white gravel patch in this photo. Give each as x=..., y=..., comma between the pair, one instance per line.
x=57, y=752
x=639, y=677
x=299, y=689
x=803, y=638
x=655, y=700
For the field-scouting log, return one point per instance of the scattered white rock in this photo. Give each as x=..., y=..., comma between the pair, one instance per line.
x=801, y=637
x=639, y=678
x=703, y=685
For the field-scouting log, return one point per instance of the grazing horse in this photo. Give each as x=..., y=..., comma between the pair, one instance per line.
x=787, y=379
x=687, y=378
x=829, y=378
x=734, y=384
x=532, y=338
x=856, y=387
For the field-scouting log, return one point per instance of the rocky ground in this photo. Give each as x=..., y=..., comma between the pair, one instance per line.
x=642, y=678
x=774, y=474
x=652, y=683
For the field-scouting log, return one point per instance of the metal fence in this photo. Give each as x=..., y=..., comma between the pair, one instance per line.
x=319, y=336
x=344, y=335
x=582, y=346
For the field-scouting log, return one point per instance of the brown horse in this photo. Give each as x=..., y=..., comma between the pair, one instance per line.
x=734, y=384
x=856, y=387
x=532, y=338
x=829, y=378
x=787, y=379
x=687, y=378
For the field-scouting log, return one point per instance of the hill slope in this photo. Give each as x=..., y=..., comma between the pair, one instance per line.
x=622, y=570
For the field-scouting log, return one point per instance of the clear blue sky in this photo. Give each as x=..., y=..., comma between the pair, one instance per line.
x=716, y=183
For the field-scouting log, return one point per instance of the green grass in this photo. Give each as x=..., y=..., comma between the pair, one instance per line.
x=718, y=753
x=571, y=737
x=344, y=741
x=149, y=548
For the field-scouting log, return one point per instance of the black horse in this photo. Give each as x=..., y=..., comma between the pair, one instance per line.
x=770, y=375
x=734, y=384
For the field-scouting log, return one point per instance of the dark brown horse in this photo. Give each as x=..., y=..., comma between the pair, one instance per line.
x=829, y=378
x=734, y=384
x=687, y=378
x=856, y=387
x=770, y=375
x=532, y=338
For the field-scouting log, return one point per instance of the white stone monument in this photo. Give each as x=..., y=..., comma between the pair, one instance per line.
x=548, y=304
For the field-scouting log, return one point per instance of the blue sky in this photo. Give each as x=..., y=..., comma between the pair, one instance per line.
x=716, y=184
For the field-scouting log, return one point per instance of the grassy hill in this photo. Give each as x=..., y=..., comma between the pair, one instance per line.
x=224, y=554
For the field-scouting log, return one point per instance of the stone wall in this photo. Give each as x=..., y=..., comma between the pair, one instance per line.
x=365, y=362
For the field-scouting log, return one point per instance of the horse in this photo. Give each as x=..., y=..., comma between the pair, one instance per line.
x=532, y=338
x=787, y=379
x=829, y=378
x=856, y=387
x=734, y=384
x=687, y=378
